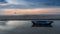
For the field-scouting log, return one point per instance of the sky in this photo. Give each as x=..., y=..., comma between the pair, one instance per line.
x=23, y=4
x=29, y=6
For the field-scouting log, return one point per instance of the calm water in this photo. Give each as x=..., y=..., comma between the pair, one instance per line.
x=26, y=27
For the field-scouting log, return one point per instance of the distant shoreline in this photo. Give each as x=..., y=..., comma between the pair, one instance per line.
x=31, y=17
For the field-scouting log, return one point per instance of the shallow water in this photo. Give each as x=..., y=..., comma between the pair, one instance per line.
x=26, y=27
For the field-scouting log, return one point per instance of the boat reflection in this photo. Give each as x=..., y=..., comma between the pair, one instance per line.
x=41, y=25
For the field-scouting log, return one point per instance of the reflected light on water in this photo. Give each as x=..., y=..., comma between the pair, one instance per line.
x=9, y=25
x=41, y=25
x=16, y=23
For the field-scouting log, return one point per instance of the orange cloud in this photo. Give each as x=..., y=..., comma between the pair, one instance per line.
x=31, y=11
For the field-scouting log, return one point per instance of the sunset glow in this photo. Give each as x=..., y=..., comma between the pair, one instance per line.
x=31, y=11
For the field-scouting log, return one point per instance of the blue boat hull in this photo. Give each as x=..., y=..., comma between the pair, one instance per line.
x=42, y=22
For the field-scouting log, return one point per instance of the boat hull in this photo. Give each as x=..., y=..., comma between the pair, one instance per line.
x=42, y=22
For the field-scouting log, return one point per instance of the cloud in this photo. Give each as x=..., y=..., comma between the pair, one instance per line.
x=17, y=2
x=3, y=1
x=28, y=4
x=20, y=2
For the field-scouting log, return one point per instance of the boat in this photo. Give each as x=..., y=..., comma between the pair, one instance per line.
x=42, y=22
